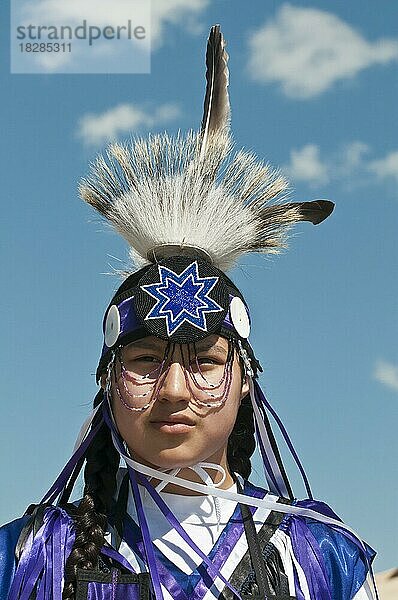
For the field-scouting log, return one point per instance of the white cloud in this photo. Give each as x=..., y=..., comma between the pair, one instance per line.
x=385, y=167
x=71, y=13
x=307, y=50
x=353, y=154
x=350, y=165
x=306, y=165
x=99, y=128
x=184, y=13
x=74, y=14
x=387, y=373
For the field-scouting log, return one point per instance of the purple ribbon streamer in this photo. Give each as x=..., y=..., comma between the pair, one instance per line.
x=43, y=559
x=146, y=536
x=62, y=479
x=117, y=557
x=310, y=559
x=267, y=464
x=261, y=399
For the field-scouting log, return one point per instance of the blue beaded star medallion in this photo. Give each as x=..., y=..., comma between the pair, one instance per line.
x=182, y=298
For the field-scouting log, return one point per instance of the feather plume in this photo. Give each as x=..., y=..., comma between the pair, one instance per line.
x=196, y=191
x=159, y=191
x=216, y=110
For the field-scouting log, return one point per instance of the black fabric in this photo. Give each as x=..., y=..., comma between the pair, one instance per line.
x=107, y=575
x=23, y=536
x=255, y=552
x=254, y=548
x=260, y=574
x=186, y=333
x=35, y=521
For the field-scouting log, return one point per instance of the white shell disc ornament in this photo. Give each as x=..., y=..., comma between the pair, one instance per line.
x=112, y=326
x=240, y=317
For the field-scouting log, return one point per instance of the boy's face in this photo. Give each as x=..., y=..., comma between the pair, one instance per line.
x=175, y=431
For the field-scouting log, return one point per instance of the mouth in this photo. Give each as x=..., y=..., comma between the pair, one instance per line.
x=173, y=424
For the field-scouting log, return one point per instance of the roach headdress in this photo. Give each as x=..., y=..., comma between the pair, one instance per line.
x=189, y=207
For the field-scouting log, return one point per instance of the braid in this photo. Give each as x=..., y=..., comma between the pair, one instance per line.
x=91, y=515
x=242, y=441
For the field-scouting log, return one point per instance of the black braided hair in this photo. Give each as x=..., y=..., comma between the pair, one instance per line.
x=90, y=516
x=242, y=441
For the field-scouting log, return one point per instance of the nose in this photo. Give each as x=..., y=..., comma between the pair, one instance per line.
x=174, y=386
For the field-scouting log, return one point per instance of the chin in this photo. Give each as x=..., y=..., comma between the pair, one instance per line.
x=174, y=460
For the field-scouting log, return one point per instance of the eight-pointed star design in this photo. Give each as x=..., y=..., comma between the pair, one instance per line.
x=182, y=298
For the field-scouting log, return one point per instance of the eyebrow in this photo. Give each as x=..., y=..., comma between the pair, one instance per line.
x=146, y=344
x=201, y=346
x=205, y=346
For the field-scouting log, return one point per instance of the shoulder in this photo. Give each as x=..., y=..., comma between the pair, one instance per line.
x=329, y=562
x=49, y=527
x=9, y=535
x=10, y=531
x=346, y=559
x=252, y=490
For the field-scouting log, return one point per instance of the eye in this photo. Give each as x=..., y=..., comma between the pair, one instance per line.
x=147, y=358
x=131, y=360
x=208, y=361
x=143, y=365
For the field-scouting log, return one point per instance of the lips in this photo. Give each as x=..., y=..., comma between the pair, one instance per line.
x=173, y=424
x=174, y=419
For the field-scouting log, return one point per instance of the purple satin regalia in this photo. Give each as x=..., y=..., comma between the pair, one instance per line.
x=334, y=565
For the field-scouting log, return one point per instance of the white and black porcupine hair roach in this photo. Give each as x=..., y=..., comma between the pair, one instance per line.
x=171, y=194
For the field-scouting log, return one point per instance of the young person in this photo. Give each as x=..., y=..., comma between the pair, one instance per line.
x=168, y=511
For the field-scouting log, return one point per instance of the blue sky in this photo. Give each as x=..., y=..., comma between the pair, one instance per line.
x=313, y=89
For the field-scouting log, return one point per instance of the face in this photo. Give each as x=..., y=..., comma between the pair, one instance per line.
x=176, y=431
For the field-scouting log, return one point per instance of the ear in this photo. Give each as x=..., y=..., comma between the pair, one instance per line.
x=245, y=388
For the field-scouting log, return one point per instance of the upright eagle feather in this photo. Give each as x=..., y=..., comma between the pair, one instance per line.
x=216, y=110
